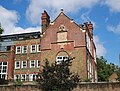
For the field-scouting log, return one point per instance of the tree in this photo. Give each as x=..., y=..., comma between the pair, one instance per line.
x=118, y=73
x=1, y=30
x=104, y=70
x=57, y=77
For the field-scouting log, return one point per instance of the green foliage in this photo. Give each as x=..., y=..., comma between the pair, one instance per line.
x=118, y=73
x=87, y=80
x=57, y=77
x=18, y=82
x=105, y=70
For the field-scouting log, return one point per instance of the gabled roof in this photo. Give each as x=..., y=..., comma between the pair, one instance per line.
x=62, y=13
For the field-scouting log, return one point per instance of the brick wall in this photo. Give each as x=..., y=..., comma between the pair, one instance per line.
x=81, y=87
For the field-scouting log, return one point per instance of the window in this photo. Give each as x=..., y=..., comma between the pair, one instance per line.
x=24, y=49
x=32, y=63
x=38, y=63
x=17, y=64
x=33, y=48
x=16, y=77
x=38, y=48
x=23, y=77
x=32, y=77
x=3, y=70
x=61, y=58
x=88, y=43
x=18, y=49
x=24, y=64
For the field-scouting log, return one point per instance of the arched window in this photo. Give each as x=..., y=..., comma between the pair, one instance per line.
x=63, y=55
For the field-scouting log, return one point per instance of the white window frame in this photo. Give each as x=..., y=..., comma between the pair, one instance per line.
x=23, y=50
x=38, y=64
x=17, y=49
x=32, y=49
x=23, y=64
x=38, y=48
x=15, y=77
x=22, y=77
x=16, y=65
x=2, y=65
x=31, y=77
x=31, y=64
x=58, y=61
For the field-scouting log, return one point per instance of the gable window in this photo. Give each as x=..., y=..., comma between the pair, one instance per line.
x=24, y=49
x=18, y=49
x=17, y=64
x=32, y=64
x=59, y=59
x=24, y=64
x=38, y=48
x=33, y=48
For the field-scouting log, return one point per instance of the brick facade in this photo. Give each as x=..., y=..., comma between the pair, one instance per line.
x=61, y=38
x=64, y=35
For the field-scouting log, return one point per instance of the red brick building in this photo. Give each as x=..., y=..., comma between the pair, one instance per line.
x=59, y=40
x=63, y=38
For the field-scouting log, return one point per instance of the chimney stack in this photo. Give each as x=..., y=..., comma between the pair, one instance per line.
x=90, y=27
x=45, y=21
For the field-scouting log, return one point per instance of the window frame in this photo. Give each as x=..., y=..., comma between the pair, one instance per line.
x=33, y=49
x=58, y=61
x=24, y=51
x=18, y=52
x=38, y=48
x=38, y=64
x=16, y=65
x=2, y=73
x=31, y=77
x=22, y=77
x=22, y=64
x=31, y=64
x=15, y=77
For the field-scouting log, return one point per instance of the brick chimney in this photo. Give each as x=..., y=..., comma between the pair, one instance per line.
x=90, y=27
x=45, y=21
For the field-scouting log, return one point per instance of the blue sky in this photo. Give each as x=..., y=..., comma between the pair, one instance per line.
x=18, y=16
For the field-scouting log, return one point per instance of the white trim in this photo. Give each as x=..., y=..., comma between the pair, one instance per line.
x=22, y=64
x=15, y=76
x=37, y=63
x=3, y=67
x=22, y=77
x=24, y=51
x=59, y=59
x=17, y=49
x=38, y=46
x=16, y=65
x=31, y=49
x=31, y=65
x=31, y=77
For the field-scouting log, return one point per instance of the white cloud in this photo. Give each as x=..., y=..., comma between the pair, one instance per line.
x=114, y=5
x=114, y=29
x=9, y=19
x=85, y=18
x=35, y=8
x=100, y=49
